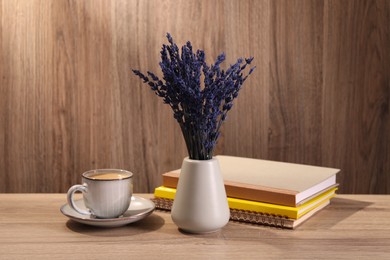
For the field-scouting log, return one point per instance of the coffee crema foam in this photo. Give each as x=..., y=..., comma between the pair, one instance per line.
x=108, y=176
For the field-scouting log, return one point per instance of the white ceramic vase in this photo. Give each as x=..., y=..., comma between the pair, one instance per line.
x=200, y=204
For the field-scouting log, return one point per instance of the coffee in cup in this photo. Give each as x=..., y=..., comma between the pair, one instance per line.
x=106, y=192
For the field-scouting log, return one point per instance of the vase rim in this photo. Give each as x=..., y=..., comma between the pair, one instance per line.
x=194, y=160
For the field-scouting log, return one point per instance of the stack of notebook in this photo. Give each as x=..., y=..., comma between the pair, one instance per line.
x=265, y=192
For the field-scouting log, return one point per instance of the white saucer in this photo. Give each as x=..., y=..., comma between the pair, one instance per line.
x=139, y=209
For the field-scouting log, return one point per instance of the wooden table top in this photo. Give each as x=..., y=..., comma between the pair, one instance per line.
x=353, y=226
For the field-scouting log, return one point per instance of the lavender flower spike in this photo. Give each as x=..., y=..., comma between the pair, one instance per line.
x=199, y=112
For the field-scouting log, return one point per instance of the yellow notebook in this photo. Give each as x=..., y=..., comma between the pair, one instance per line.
x=265, y=208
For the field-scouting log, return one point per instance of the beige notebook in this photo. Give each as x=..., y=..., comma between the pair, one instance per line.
x=269, y=181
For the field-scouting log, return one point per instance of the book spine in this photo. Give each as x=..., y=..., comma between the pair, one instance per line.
x=239, y=215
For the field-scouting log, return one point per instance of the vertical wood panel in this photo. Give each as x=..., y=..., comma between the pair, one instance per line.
x=24, y=102
x=356, y=95
x=296, y=81
x=69, y=103
x=247, y=34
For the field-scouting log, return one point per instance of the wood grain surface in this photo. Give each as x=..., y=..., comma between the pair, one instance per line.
x=68, y=102
x=351, y=227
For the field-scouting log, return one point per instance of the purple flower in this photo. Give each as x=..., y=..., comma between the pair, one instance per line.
x=199, y=111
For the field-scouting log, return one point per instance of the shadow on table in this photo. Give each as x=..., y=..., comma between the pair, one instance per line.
x=149, y=224
x=339, y=210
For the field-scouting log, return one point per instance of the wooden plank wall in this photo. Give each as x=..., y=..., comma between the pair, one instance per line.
x=68, y=102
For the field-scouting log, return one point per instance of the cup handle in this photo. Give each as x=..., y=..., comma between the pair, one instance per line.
x=71, y=191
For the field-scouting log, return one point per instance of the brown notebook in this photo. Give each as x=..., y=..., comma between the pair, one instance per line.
x=268, y=181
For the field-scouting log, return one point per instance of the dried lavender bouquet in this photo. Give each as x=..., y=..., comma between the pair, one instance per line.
x=199, y=109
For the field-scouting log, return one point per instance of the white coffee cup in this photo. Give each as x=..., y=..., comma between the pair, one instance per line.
x=106, y=192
